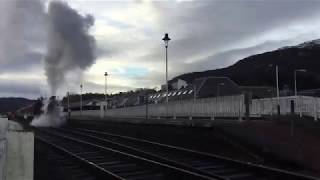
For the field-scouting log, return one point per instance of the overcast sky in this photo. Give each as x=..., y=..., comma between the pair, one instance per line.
x=206, y=34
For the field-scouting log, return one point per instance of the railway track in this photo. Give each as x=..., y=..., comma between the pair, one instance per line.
x=208, y=165
x=100, y=162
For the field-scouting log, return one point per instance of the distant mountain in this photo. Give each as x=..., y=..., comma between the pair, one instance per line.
x=259, y=70
x=11, y=104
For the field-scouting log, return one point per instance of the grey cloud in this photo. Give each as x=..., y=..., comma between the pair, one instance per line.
x=17, y=88
x=22, y=30
x=26, y=63
x=209, y=27
x=94, y=87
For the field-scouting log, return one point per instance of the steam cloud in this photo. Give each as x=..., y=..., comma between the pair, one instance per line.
x=52, y=114
x=70, y=46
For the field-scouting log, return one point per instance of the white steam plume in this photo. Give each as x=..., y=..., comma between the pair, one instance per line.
x=52, y=115
x=70, y=46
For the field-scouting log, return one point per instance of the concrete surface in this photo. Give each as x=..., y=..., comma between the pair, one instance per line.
x=16, y=152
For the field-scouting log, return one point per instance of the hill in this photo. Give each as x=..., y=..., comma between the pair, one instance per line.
x=257, y=70
x=11, y=104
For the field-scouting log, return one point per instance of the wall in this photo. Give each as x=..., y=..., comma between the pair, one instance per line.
x=224, y=106
x=3, y=146
x=277, y=139
x=16, y=152
x=304, y=106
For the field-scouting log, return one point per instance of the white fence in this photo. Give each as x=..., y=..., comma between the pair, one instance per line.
x=224, y=106
x=303, y=106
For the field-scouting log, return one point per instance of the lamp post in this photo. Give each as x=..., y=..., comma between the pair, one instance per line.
x=166, y=40
x=80, y=99
x=194, y=92
x=105, y=92
x=68, y=104
x=218, y=88
x=295, y=80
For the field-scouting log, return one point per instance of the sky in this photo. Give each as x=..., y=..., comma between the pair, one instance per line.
x=206, y=34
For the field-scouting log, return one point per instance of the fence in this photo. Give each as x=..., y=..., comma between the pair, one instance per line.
x=303, y=106
x=224, y=106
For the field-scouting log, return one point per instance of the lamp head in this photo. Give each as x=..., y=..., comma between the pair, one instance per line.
x=166, y=39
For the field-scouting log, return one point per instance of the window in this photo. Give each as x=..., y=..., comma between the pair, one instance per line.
x=190, y=91
x=179, y=93
x=174, y=93
x=185, y=92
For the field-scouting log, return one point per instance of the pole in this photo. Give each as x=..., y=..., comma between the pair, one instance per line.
x=166, y=40
x=194, y=93
x=81, y=99
x=105, y=94
x=218, y=90
x=295, y=82
x=68, y=104
x=167, y=85
x=147, y=102
x=277, y=81
x=105, y=88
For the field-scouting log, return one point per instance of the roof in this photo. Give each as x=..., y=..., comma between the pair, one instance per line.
x=215, y=86
x=185, y=93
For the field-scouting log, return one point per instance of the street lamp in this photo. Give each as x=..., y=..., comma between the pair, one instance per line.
x=105, y=91
x=295, y=79
x=166, y=40
x=218, y=88
x=80, y=99
x=68, y=104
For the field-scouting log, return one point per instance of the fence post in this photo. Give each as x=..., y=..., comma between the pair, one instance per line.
x=315, y=109
x=300, y=106
x=241, y=99
x=174, y=113
x=247, y=100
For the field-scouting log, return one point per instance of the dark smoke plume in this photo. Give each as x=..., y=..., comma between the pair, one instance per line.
x=70, y=46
